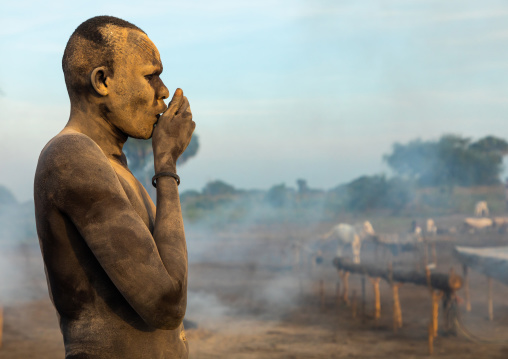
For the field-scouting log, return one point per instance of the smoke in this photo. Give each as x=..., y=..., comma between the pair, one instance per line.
x=205, y=308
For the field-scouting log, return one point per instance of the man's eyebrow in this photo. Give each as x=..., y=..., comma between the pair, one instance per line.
x=157, y=69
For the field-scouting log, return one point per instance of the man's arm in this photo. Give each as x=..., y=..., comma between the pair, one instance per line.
x=149, y=271
x=170, y=139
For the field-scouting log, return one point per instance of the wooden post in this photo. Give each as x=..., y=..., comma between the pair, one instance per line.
x=431, y=338
x=491, y=301
x=439, y=281
x=425, y=252
x=363, y=297
x=466, y=287
x=322, y=293
x=1, y=324
x=345, y=294
x=377, y=298
x=436, y=296
x=434, y=252
x=354, y=304
x=397, y=312
x=450, y=313
x=337, y=292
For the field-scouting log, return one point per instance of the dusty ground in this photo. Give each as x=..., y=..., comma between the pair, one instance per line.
x=250, y=303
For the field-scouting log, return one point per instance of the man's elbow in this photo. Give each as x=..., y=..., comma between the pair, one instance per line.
x=167, y=317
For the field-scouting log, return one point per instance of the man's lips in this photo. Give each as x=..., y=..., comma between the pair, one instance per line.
x=159, y=114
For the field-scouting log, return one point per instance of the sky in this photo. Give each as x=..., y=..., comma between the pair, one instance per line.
x=279, y=89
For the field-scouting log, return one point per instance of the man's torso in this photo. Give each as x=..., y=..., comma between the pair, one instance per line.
x=95, y=319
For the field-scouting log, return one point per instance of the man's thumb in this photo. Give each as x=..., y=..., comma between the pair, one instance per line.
x=175, y=103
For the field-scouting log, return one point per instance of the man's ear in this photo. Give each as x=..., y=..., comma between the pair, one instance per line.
x=98, y=78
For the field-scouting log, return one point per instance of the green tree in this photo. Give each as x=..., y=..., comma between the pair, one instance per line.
x=451, y=160
x=377, y=192
x=278, y=195
x=215, y=188
x=491, y=144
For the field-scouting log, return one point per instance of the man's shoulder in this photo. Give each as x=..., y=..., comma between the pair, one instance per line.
x=68, y=142
x=67, y=150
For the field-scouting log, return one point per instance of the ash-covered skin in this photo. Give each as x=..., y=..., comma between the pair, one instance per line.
x=116, y=266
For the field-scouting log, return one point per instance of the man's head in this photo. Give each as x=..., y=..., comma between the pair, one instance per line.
x=112, y=64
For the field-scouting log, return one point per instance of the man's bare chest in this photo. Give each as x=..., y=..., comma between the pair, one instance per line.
x=137, y=195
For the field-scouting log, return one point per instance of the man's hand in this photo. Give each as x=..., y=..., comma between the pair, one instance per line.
x=173, y=133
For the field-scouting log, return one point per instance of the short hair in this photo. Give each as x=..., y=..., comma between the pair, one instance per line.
x=89, y=47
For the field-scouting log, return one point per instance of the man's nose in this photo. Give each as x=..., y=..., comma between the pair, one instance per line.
x=163, y=92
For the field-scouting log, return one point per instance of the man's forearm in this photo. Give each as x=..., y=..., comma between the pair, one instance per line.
x=169, y=237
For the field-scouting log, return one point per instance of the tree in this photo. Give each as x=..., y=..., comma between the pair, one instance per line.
x=278, y=195
x=215, y=188
x=451, y=160
x=491, y=144
x=302, y=186
x=377, y=192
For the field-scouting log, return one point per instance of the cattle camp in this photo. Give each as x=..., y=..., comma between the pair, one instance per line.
x=314, y=179
x=407, y=285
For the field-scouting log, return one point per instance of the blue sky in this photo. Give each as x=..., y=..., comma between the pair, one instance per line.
x=279, y=90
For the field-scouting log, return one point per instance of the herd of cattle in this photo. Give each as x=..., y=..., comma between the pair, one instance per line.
x=347, y=239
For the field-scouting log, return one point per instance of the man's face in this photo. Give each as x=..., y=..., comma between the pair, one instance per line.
x=136, y=92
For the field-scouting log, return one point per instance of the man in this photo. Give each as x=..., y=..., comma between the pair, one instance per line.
x=116, y=268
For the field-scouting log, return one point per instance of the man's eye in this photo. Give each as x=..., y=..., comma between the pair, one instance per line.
x=149, y=77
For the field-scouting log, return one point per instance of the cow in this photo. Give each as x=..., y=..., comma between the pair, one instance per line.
x=481, y=209
x=475, y=224
x=347, y=235
x=430, y=227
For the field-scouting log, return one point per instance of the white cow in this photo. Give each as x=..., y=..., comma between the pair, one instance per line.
x=474, y=224
x=481, y=209
x=348, y=235
x=430, y=228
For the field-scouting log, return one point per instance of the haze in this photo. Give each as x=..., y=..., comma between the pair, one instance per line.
x=280, y=90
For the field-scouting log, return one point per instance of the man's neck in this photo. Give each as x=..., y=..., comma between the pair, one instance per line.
x=109, y=138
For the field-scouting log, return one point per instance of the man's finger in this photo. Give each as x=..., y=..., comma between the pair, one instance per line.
x=175, y=103
x=184, y=106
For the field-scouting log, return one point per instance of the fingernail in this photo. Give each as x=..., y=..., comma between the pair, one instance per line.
x=178, y=92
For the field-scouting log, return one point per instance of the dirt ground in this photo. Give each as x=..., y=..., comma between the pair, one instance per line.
x=249, y=301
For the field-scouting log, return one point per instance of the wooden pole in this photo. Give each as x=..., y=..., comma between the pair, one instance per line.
x=450, y=313
x=434, y=252
x=440, y=281
x=1, y=324
x=363, y=297
x=466, y=287
x=337, y=292
x=491, y=301
x=377, y=298
x=436, y=296
x=345, y=294
x=431, y=338
x=425, y=253
x=354, y=304
x=322, y=293
x=397, y=312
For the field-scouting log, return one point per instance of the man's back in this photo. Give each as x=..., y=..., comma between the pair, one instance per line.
x=95, y=268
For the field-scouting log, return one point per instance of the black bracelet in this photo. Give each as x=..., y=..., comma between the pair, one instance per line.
x=162, y=174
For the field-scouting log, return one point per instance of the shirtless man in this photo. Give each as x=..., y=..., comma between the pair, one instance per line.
x=116, y=271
